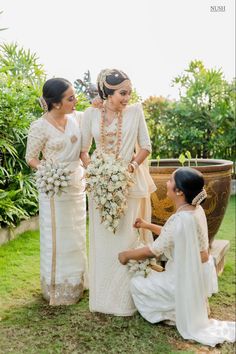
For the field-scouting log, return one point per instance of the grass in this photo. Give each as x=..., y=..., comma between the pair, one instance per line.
x=29, y=325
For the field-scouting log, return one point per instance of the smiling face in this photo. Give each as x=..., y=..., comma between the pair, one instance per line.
x=120, y=99
x=68, y=102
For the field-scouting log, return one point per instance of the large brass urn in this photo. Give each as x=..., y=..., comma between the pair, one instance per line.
x=217, y=176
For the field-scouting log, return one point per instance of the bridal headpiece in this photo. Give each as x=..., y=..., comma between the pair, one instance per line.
x=101, y=80
x=199, y=197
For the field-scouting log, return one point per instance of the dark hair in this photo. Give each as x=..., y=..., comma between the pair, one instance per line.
x=115, y=78
x=53, y=91
x=189, y=181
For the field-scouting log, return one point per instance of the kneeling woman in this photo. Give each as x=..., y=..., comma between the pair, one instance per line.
x=179, y=293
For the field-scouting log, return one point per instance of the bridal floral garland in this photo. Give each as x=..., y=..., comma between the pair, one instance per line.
x=108, y=180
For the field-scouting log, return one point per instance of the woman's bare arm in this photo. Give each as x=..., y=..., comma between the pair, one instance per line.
x=136, y=254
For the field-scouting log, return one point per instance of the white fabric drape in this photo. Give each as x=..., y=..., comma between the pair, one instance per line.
x=190, y=302
x=179, y=293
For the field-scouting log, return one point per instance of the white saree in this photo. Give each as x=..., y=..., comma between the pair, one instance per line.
x=108, y=280
x=179, y=293
x=63, y=263
x=191, y=312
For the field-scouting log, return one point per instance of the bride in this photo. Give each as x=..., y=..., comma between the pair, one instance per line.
x=178, y=295
x=117, y=129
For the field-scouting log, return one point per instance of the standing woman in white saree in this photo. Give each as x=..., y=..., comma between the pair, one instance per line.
x=57, y=136
x=118, y=129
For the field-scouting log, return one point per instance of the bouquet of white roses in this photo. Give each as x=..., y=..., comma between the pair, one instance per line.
x=52, y=178
x=108, y=180
x=144, y=267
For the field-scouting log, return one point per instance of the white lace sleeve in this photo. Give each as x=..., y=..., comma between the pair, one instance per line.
x=202, y=229
x=143, y=135
x=36, y=140
x=165, y=241
x=86, y=130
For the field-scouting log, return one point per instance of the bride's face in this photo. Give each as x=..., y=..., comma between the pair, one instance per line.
x=120, y=99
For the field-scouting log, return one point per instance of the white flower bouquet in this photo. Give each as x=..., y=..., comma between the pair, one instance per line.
x=52, y=178
x=108, y=180
x=144, y=267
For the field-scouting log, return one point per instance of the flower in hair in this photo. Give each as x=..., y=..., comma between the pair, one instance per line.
x=43, y=104
x=199, y=197
x=102, y=79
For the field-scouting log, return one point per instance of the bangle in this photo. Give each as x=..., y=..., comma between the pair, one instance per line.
x=132, y=166
x=135, y=164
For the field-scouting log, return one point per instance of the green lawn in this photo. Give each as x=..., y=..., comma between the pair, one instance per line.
x=29, y=325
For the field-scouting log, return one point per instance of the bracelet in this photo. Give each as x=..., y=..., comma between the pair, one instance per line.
x=135, y=164
x=132, y=166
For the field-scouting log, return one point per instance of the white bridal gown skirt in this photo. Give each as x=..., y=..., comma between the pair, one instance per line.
x=109, y=281
x=63, y=263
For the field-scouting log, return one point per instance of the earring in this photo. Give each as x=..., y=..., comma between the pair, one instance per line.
x=57, y=107
x=178, y=193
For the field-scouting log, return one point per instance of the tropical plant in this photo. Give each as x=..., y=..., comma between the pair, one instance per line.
x=21, y=79
x=156, y=109
x=201, y=121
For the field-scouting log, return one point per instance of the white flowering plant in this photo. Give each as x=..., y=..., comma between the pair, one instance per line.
x=52, y=177
x=143, y=267
x=108, y=180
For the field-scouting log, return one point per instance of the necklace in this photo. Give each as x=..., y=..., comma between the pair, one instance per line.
x=104, y=134
x=73, y=138
x=110, y=109
x=58, y=126
x=181, y=207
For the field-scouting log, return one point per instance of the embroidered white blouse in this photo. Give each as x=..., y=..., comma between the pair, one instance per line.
x=164, y=244
x=54, y=144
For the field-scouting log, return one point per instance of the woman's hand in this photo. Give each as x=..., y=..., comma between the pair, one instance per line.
x=122, y=256
x=131, y=168
x=139, y=222
x=34, y=163
x=204, y=256
x=97, y=102
x=85, y=158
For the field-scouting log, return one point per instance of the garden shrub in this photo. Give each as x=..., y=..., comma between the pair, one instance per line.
x=201, y=121
x=21, y=79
